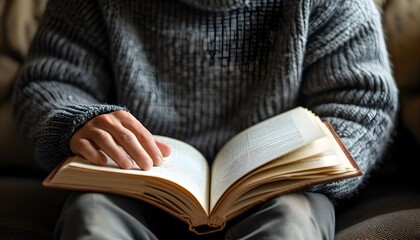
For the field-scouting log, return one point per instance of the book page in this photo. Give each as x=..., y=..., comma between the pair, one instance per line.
x=259, y=145
x=185, y=166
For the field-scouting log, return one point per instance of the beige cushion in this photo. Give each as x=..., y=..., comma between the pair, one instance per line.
x=9, y=69
x=19, y=20
x=380, y=3
x=402, y=26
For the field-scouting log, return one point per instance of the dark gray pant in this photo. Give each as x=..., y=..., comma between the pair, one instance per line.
x=106, y=216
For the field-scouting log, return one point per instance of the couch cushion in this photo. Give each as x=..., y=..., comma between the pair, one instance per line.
x=9, y=69
x=19, y=21
x=402, y=26
x=403, y=224
x=13, y=153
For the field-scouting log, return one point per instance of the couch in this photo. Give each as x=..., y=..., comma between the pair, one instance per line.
x=27, y=210
x=388, y=207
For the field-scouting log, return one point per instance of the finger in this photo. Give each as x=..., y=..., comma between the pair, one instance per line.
x=88, y=150
x=149, y=144
x=106, y=143
x=145, y=138
x=128, y=141
x=165, y=149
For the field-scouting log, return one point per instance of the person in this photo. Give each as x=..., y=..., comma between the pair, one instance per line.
x=109, y=75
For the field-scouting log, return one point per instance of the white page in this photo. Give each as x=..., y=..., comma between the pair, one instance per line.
x=258, y=145
x=185, y=166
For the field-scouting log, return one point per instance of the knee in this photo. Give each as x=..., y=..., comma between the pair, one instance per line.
x=80, y=201
x=95, y=215
x=298, y=204
x=290, y=203
x=91, y=203
x=85, y=207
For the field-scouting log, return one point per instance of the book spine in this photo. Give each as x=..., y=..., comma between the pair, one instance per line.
x=214, y=224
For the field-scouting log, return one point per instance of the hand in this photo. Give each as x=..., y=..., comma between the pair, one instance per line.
x=117, y=134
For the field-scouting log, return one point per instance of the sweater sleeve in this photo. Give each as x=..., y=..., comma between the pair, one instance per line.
x=348, y=82
x=65, y=81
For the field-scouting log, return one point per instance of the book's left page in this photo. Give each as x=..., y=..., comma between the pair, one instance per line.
x=184, y=169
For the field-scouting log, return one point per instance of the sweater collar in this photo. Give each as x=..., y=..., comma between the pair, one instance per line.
x=217, y=5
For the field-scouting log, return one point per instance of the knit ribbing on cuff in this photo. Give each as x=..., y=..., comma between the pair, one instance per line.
x=54, y=137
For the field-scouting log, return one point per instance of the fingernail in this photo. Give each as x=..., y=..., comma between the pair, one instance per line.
x=146, y=166
x=147, y=163
x=127, y=164
x=159, y=160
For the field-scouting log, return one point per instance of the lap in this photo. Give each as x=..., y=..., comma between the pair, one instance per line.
x=282, y=216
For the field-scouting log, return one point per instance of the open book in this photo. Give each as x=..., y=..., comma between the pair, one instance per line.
x=285, y=153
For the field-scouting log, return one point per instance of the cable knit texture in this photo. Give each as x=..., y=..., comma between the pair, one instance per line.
x=201, y=71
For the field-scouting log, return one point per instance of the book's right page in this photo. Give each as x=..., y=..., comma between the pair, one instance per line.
x=323, y=160
x=259, y=145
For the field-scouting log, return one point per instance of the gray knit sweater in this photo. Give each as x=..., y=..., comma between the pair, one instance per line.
x=203, y=70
